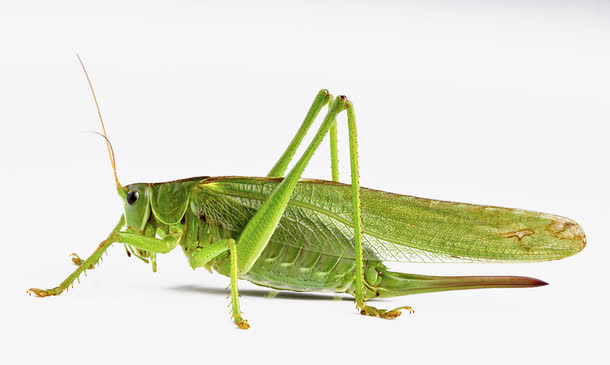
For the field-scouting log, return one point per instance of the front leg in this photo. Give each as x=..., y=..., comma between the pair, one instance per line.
x=150, y=244
x=82, y=266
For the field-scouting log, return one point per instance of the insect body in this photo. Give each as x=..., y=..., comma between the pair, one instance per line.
x=289, y=233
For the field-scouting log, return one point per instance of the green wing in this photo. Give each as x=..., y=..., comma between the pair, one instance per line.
x=395, y=227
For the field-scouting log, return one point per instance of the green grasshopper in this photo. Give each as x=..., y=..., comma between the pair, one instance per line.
x=289, y=233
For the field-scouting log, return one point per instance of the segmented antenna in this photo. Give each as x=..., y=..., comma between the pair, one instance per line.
x=99, y=113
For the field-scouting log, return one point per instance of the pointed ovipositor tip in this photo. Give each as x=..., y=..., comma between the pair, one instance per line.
x=538, y=282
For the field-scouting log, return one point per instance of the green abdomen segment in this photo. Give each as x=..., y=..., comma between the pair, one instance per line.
x=291, y=268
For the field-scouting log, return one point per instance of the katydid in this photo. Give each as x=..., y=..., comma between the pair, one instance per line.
x=288, y=233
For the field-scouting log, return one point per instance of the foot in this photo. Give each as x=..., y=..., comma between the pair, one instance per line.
x=241, y=323
x=384, y=313
x=43, y=293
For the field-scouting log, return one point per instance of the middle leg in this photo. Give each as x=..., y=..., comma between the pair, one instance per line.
x=200, y=256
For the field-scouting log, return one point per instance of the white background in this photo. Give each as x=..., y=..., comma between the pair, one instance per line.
x=502, y=103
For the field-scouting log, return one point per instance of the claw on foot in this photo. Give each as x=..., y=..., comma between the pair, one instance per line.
x=38, y=292
x=78, y=261
x=242, y=324
x=393, y=314
x=384, y=313
x=406, y=307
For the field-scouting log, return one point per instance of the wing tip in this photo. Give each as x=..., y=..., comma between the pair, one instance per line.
x=570, y=232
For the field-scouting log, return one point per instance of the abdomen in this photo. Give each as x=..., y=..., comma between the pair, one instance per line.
x=291, y=268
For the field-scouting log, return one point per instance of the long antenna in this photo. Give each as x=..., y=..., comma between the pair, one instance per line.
x=108, y=145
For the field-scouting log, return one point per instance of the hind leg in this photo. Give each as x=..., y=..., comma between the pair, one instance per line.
x=384, y=313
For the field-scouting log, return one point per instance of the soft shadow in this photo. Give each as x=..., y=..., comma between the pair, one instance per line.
x=260, y=293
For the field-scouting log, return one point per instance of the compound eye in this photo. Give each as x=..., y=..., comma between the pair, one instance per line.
x=132, y=197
